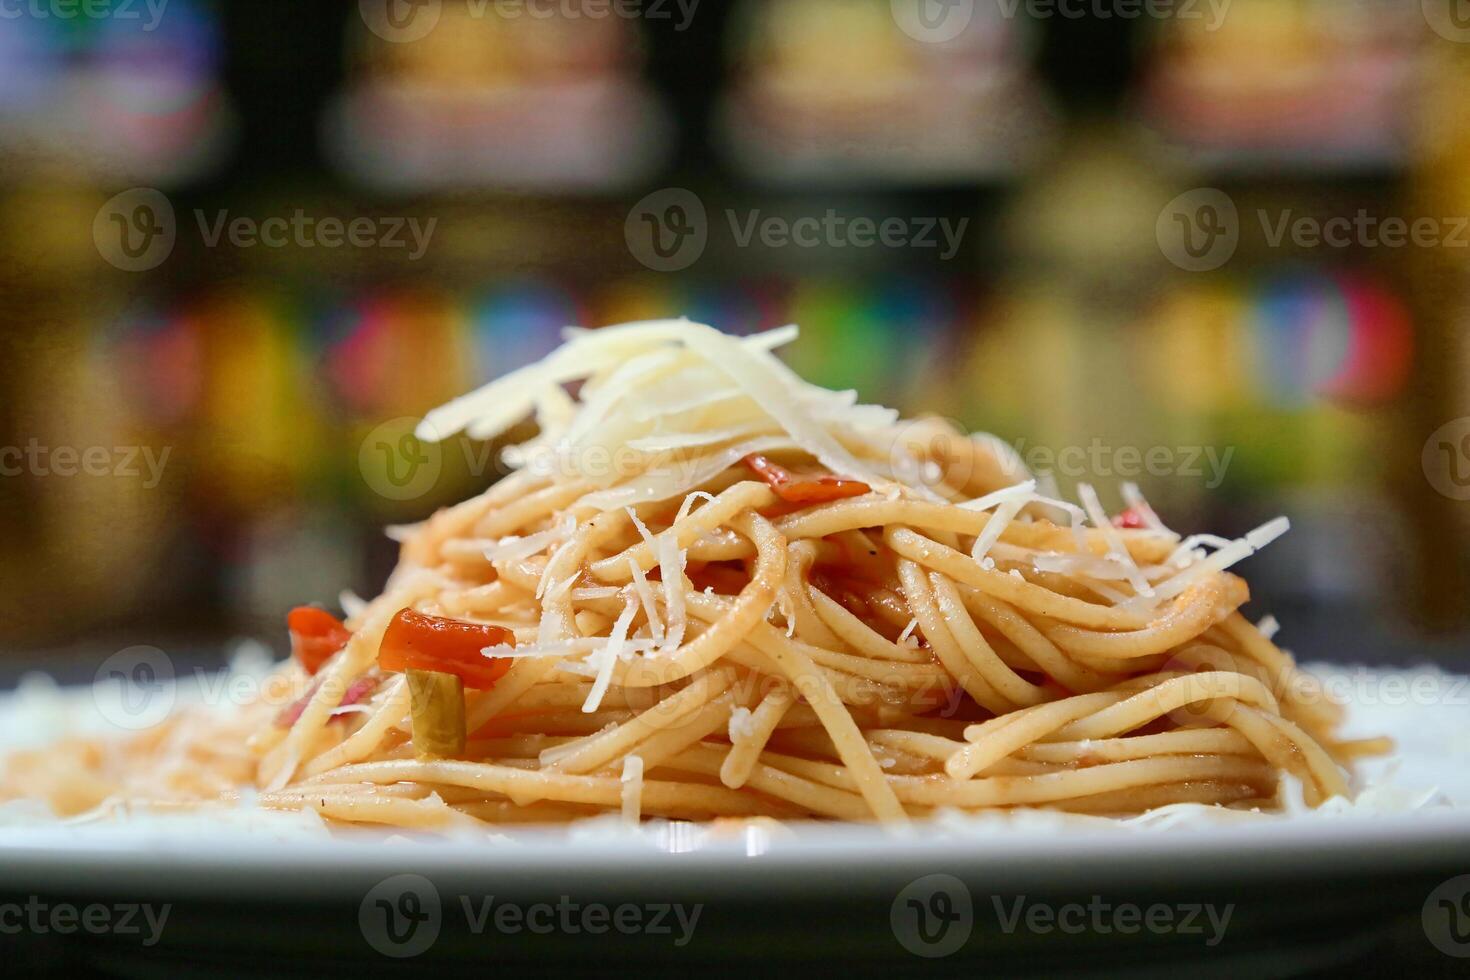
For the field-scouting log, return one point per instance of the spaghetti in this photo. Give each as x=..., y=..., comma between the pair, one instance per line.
x=712, y=590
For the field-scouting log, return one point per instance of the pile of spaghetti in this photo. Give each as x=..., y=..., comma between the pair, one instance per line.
x=712, y=590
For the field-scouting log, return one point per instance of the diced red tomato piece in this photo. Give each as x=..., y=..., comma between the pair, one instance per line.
x=315, y=636
x=416, y=641
x=1130, y=518
x=805, y=490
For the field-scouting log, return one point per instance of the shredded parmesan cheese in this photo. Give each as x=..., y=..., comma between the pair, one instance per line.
x=608, y=655
x=1117, y=550
x=1234, y=551
x=515, y=548
x=742, y=726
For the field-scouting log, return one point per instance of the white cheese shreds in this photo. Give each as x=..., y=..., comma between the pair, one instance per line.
x=645, y=596
x=906, y=638
x=1188, y=549
x=594, y=592
x=688, y=505
x=775, y=388
x=699, y=388
x=1135, y=499
x=400, y=532
x=1021, y=491
x=671, y=562
x=785, y=607
x=996, y=526
x=489, y=410
x=561, y=588
x=561, y=648
x=1117, y=550
x=1269, y=627
x=607, y=657
x=353, y=605
x=1046, y=484
x=1085, y=566
x=672, y=404
x=742, y=726
x=514, y=548
x=666, y=442
x=1076, y=516
x=643, y=531
x=678, y=479
x=1232, y=552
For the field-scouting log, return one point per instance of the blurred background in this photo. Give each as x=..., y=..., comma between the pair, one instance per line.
x=1158, y=241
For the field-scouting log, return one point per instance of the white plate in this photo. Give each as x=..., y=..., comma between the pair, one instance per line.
x=1286, y=893
x=270, y=894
